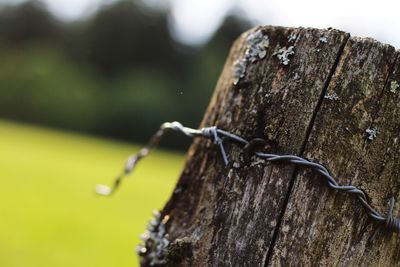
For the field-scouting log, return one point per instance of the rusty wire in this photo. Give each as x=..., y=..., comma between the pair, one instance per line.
x=252, y=147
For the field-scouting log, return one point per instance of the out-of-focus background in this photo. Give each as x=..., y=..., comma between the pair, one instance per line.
x=84, y=82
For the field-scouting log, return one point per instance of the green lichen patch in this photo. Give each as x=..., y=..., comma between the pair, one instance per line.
x=372, y=133
x=332, y=96
x=292, y=37
x=154, y=242
x=323, y=39
x=283, y=54
x=256, y=48
x=394, y=86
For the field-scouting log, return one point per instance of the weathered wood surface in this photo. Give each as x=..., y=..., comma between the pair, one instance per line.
x=318, y=105
x=328, y=228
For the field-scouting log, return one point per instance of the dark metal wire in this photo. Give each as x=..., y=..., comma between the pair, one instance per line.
x=220, y=136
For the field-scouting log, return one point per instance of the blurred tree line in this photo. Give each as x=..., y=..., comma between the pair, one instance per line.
x=118, y=73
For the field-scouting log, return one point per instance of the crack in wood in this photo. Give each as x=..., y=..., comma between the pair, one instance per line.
x=331, y=232
x=303, y=147
x=239, y=213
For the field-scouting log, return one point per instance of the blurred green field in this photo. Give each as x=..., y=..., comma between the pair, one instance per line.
x=49, y=215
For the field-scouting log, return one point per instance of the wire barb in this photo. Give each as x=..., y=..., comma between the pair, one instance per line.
x=254, y=146
x=212, y=133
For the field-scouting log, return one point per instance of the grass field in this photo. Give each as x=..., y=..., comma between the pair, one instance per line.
x=49, y=215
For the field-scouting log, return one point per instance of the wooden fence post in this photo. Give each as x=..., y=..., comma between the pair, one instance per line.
x=320, y=94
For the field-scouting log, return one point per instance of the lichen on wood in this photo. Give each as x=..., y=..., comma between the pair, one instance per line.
x=155, y=242
x=256, y=46
x=372, y=133
x=284, y=53
x=394, y=86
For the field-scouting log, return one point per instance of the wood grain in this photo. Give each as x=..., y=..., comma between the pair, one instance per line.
x=327, y=228
x=231, y=212
x=317, y=103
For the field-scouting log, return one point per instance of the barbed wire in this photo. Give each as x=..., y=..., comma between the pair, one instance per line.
x=252, y=147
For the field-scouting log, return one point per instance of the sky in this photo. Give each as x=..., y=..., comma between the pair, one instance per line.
x=194, y=21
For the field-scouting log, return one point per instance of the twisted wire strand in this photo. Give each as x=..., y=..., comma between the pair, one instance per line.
x=133, y=160
x=219, y=136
